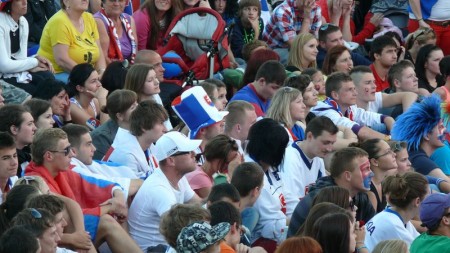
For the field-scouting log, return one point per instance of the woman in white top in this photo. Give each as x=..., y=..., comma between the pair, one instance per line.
x=15, y=67
x=404, y=195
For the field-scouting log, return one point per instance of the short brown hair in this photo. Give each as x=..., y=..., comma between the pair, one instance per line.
x=236, y=113
x=396, y=72
x=51, y=203
x=219, y=147
x=334, y=82
x=343, y=160
x=402, y=189
x=45, y=140
x=145, y=116
x=246, y=177
x=119, y=101
x=178, y=217
x=247, y=3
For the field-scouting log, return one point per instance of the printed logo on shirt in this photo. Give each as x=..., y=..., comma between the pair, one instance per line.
x=370, y=228
x=283, y=203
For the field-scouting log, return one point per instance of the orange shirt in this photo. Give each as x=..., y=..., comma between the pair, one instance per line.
x=225, y=248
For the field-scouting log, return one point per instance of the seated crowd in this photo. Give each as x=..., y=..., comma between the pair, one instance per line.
x=322, y=126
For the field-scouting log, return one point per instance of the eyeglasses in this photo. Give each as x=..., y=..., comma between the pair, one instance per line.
x=385, y=154
x=35, y=213
x=181, y=153
x=66, y=151
x=397, y=146
x=325, y=27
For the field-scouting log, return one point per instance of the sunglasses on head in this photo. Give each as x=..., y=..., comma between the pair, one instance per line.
x=325, y=27
x=35, y=213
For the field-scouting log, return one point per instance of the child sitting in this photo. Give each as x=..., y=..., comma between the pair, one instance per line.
x=248, y=26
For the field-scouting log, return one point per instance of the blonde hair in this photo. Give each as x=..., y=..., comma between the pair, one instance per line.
x=35, y=181
x=296, y=54
x=421, y=35
x=280, y=104
x=391, y=246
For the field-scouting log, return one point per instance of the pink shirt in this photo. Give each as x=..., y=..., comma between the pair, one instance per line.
x=198, y=179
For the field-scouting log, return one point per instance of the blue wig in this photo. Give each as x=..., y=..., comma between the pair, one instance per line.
x=419, y=120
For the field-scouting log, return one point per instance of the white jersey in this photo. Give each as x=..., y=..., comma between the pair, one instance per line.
x=127, y=151
x=297, y=172
x=155, y=197
x=271, y=206
x=360, y=116
x=375, y=106
x=388, y=225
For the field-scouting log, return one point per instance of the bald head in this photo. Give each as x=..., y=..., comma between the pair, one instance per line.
x=152, y=58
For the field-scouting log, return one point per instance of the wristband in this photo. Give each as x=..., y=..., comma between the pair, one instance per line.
x=420, y=19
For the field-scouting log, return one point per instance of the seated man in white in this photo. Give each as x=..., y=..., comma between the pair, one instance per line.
x=303, y=161
x=83, y=149
x=8, y=164
x=340, y=107
x=162, y=189
x=133, y=148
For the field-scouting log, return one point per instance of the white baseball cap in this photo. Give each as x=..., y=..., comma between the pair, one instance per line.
x=173, y=142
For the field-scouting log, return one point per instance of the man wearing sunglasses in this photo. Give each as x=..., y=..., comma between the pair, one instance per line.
x=435, y=215
x=102, y=202
x=164, y=188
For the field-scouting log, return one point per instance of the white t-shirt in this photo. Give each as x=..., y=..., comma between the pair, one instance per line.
x=297, y=172
x=386, y=226
x=440, y=11
x=127, y=151
x=375, y=106
x=155, y=197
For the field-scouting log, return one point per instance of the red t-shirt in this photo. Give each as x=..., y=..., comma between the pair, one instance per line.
x=381, y=84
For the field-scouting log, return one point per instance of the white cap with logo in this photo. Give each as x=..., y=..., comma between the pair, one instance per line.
x=173, y=142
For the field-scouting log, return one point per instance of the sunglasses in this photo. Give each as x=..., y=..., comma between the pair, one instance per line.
x=66, y=151
x=325, y=27
x=389, y=151
x=28, y=179
x=396, y=147
x=35, y=213
x=287, y=89
x=422, y=32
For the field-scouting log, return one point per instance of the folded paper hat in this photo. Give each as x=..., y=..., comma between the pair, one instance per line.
x=198, y=236
x=197, y=110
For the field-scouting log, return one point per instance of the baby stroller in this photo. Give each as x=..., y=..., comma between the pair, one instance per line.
x=196, y=41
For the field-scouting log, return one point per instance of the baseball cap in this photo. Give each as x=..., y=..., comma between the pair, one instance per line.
x=432, y=209
x=197, y=110
x=173, y=142
x=200, y=235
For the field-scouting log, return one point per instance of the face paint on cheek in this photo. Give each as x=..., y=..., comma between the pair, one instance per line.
x=366, y=174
